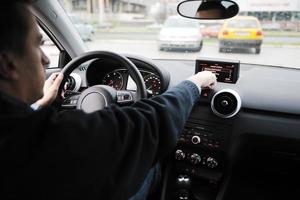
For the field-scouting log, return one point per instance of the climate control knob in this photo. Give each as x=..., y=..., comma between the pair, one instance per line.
x=211, y=162
x=196, y=139
x=195, y=159
x=179, y=155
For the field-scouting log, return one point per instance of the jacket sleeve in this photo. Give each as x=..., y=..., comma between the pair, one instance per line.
x=114, y=148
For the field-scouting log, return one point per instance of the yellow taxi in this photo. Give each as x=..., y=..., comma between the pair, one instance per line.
x=243, y=32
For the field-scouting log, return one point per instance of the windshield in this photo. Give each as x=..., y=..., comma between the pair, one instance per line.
x=268, y=34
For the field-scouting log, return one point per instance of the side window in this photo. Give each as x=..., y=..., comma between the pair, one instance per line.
x=50, y=49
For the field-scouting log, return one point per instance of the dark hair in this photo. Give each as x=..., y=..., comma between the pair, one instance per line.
x=208, y=5
x=14, y=15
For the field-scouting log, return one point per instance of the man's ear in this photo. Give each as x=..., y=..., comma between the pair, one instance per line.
x=8, y=69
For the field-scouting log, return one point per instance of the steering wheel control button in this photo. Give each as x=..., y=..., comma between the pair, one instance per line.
x=70, y=101
x=179, y=155
x=73, y=101
x=211, y=162
x=124, y=97
x=195, y=159
x=196, y=139
x=226, y=103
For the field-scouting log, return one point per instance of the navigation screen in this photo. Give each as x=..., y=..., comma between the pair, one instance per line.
x=226, y=72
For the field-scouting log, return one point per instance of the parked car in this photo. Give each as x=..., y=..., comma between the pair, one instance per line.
x=180, y=33
x=243, y=32
x=86, y=31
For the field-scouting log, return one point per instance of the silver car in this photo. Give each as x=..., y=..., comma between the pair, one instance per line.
x=180, y=33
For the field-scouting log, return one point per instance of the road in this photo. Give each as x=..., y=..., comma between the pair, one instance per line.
x=287, y=56
x=285, y=40
x=152, y=36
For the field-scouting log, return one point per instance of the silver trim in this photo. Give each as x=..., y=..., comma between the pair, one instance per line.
x=239, y=103
x=78, y=81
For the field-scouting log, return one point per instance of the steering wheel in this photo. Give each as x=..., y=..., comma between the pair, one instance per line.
x=99, y=96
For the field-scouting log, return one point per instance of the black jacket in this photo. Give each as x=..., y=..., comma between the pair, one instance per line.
x=47, y=154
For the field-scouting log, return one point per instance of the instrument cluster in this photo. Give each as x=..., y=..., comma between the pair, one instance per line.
x=120, y=80
x=111, y=73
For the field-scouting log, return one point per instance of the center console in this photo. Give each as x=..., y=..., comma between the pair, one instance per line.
x=199, y=161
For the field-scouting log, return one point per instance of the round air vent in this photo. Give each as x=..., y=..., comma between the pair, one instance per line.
x=226, y=103
x=73, y=82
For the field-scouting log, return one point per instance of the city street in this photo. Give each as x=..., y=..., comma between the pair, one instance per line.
x=287, y=56
x=152, y=36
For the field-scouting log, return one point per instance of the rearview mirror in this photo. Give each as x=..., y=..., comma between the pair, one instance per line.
x=208, y=9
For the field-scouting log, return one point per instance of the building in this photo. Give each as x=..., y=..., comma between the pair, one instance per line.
x=286, y=13
x=271, y=10
x=94, y=6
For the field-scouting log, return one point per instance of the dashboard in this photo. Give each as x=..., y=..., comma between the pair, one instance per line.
x=242, y=134
x=249, y=122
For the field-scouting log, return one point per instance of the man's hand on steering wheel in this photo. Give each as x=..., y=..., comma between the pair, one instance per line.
x=50, y=89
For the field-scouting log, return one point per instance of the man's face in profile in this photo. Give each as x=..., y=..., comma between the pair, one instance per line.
x=31, y=64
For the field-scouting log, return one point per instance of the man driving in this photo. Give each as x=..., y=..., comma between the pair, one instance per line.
x=46, y=154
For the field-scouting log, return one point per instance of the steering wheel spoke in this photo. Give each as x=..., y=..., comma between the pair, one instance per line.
x=125, y=97
x=70, y=101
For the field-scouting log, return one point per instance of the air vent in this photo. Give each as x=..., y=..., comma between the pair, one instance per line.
x=71, y=83
x=226, y=103
x=74, y=82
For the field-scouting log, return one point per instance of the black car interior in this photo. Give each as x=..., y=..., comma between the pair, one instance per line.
x=241, y=141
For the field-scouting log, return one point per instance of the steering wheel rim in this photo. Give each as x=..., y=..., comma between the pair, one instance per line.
x=124, y=61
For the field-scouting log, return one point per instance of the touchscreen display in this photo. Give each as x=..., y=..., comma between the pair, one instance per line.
x=226, y=72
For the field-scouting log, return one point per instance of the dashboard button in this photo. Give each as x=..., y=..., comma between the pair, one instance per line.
x=195, y=159
x=211, y=162
x=196, y=139
x=179, y=155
